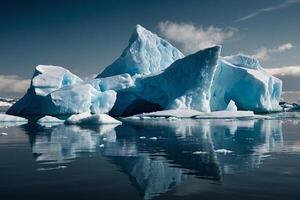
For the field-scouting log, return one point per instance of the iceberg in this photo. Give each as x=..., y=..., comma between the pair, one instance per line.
x=152, y=75
x=55, y=90
x=145, y=54
x=184, y=85
x=241, y=78
x=89, y=119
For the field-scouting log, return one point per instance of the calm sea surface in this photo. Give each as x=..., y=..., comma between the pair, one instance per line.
x=152, y=159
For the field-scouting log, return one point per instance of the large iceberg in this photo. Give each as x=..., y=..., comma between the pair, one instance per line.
x=152, y=75
x=241, y=78
x=55, y=90
x=184, y=85
x=146, y=53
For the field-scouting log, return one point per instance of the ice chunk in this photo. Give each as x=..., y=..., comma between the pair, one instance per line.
x=178, y=113
x=227, y=115
x=146, y=53
x=46, y=79
x=223, y=151
x=55, y=90
x=49, y=119
x=11, y=118
x=77, y=117
x=188, y=113
x=88, y=118
x=184, y=85
x=231, y=106
x=241, y=78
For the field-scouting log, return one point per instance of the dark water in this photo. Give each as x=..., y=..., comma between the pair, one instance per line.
x=181, y=159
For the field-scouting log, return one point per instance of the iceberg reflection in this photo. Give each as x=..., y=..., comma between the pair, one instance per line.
x=160, y=155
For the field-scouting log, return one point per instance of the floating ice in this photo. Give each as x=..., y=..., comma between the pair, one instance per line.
x=223, y=151
x=188, y=113
x=89, y=119
x=49, y=119
x=11, y=118
x=146, y=53
x=55, y=90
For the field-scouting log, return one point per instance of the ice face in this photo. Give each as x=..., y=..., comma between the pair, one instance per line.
x=241, y=78
x=185, y=85
x=146, y=53
x=55, y=90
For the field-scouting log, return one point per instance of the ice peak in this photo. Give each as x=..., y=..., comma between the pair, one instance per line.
x=145, y=54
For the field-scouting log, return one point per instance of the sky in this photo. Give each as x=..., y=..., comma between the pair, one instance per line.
x=86, y=36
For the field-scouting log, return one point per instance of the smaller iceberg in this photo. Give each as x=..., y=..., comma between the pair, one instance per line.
x=49, y=119
x=91, y=119
x=11, y=118
x=55, y=91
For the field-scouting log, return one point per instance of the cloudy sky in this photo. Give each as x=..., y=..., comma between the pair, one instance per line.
x=86, y=36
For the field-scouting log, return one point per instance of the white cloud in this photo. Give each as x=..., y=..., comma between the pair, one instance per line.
x=283, y=47
x=192, y=38
x=13, y=84
x=282, y=5
x=290, y=76
x=264, y=53
x=284, y=71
